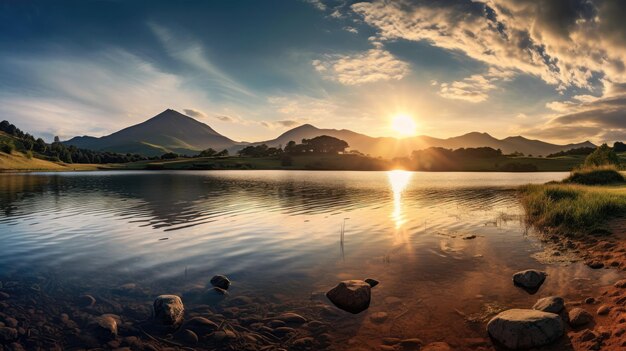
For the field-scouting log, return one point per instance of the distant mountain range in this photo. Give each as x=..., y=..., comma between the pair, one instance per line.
x=171, y=131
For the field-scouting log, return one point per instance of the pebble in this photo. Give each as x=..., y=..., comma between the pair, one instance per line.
x=604, y=310
x=10, y=322
x=552, y=304
x=469, y=237
x=4, y=296
x=579, y=317
x=276, y=323
x=372, y=282
x=280, y=331
x=411, y=344
x=590, y=301
x=291, y=318
x=620, y=284
x=86, y=301
x=379, y=317
x=200, y=325
x=8, y=334
x=221, y=282
x=303, y=343
x=186, y=336
x=595, y=265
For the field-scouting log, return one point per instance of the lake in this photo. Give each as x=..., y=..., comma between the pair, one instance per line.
x=283, y=238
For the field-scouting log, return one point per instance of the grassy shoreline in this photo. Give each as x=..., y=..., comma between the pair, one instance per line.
x=573, y=206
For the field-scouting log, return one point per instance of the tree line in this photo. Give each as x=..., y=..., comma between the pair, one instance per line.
x=57, y=151
x=323, y=144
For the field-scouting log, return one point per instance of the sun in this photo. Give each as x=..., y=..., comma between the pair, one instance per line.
x=403, y=125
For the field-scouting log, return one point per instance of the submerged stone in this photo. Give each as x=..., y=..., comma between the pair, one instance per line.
x=372, y=282
x=221, y=282
x=530, y=279
x=353, y=296
x=168, y=310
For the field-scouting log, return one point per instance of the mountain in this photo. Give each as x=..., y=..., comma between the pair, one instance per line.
x=169, y=131
x=391, y=147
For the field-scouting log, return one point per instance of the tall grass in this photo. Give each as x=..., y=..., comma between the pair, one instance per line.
x=573, y=208
x=601, y=175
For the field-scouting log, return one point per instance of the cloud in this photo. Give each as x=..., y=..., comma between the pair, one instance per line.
x=600, y=119
x=351, y=30
x=128, y=91
x=191, y=53
x=318, y=4
x=474, y=88
x=281, y=124
x=194, y=113
x=225, y=118
x=576, y=46
x=371, y=66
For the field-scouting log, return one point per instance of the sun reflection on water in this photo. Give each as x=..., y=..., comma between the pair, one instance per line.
x=399, y=180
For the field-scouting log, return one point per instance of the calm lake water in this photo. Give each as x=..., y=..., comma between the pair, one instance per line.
x=277, y=236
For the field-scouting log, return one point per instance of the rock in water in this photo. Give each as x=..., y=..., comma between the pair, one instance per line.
x=579, y=317
x=523, y=329
x=372, y=282
x=221, y=282
x=169, y=310
x=552, y=304
x=105, y=327
x=353, y=296
x=530, y=279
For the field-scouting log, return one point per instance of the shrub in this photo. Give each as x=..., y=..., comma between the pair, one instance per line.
x=602, y=156
x=169, y=156
x=29, y=154
x=7, y=147
x=595, y=176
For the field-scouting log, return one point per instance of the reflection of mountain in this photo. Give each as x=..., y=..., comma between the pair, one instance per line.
x=177, y=200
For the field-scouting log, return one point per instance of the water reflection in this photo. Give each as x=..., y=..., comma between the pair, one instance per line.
x=398, y=180
x=276, y=233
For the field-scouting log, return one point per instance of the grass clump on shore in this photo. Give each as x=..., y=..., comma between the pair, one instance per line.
x=595, y=176
x=574, y=208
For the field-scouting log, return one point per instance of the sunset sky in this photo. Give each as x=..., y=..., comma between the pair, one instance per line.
x=553, y=70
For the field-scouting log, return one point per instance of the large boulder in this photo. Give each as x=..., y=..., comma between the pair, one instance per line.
x=530, y=279
x=552, y=304
x=169, y=310
x=522, y=329
x=353, y=296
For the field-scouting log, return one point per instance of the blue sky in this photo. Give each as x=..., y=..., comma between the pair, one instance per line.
x=253, y=69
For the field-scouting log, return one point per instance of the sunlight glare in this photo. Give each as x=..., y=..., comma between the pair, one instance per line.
x=399, y=180
x=404, y=125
